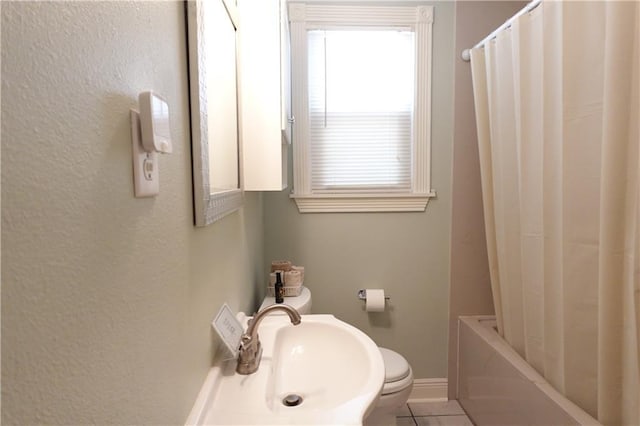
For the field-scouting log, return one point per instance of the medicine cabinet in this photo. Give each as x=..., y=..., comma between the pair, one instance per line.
x=239, y=77
x=212, y=27
x=264, y=93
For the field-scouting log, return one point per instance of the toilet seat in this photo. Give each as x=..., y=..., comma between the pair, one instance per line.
x=398, y=375
x=398, y=385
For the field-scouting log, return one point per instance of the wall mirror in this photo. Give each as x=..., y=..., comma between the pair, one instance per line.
x=211, y=26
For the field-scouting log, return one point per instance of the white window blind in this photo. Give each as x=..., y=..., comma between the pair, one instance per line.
x=361, y=97
x=361, y=92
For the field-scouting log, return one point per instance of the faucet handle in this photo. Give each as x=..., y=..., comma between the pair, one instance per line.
x=245, y=341
x=249, y=354
x=251, y=345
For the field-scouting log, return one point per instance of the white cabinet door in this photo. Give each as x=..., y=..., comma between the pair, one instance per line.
x=264, y=93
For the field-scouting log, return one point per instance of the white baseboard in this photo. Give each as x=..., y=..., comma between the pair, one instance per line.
x=429, y=390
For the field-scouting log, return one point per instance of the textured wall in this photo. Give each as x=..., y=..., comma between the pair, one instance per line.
x=106, y=299
x=407, y=254
x=470, y=292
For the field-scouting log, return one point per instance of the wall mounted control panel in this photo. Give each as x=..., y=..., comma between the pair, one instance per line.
x=154, y=121
x=150, y=134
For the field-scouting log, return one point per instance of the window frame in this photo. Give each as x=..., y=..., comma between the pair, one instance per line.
x=306, y=16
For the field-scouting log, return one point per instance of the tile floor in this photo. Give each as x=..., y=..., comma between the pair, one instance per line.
x=445, y=413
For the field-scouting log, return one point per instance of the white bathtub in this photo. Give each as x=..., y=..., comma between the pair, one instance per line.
x=497, y=387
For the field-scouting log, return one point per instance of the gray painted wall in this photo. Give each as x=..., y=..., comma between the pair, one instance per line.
x=407, y=254
x=106, y=299
x=470, y=288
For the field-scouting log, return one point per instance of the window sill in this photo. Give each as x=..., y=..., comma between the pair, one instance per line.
x=353, y=203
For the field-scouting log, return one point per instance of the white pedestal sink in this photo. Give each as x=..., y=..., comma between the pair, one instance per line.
x=335, y=369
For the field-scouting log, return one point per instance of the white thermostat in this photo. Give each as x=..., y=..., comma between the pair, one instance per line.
x=150, y=134
x=154, y=121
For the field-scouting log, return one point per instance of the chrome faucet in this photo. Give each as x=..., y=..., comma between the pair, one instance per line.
x=250, y=347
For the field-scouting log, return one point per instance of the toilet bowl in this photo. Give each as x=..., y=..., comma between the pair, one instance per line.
x=398, y=381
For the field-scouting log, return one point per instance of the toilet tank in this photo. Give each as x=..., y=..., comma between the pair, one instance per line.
x=300, y=303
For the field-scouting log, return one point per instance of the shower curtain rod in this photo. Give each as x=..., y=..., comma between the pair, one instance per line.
x=466, y=53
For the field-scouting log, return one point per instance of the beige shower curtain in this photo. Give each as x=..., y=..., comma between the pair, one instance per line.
x=558, y=131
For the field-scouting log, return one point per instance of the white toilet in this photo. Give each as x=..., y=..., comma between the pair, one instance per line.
x=398, y=380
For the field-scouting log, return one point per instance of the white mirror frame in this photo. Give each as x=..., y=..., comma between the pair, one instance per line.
x=209, y=205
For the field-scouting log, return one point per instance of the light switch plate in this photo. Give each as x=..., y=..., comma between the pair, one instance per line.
x=146, y=178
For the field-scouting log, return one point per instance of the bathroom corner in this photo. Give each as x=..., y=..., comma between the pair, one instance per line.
x=407, y=254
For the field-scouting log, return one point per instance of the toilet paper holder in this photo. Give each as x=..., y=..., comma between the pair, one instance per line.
x=362, y=295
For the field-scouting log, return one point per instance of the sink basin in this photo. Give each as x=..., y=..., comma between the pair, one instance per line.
x=334, y=368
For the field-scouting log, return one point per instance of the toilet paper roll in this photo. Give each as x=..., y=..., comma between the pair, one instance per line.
x=375, y=300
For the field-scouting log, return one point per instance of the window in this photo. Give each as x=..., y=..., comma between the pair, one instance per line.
x=361, y=97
